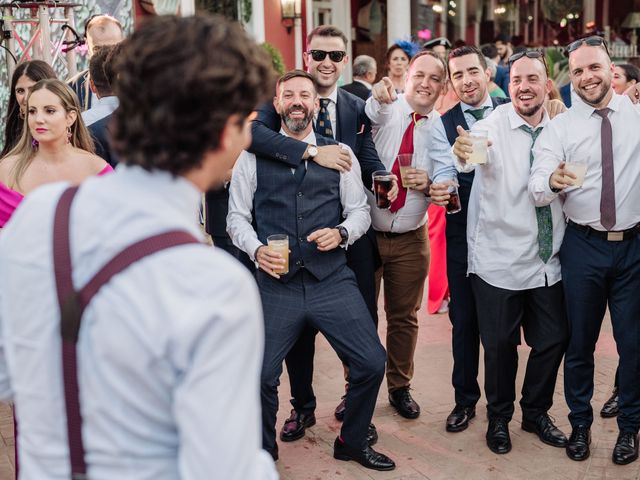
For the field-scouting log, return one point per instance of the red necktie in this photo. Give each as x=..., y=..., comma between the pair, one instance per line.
x=406, y=146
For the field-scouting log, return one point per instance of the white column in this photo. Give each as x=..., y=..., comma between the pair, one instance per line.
x=187, y=8
x=536, y=7
x=462, y=19
x=309, y=16
x=256, y=25
x=297, y=34
x=399, y=20
x=588, y=12
x=341, y=18
x=45, y=34
x=444, y=5
x=476, y=25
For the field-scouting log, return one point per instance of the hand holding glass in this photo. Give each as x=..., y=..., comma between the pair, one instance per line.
x=280, y=244
x=479, y=143
x=382, y=183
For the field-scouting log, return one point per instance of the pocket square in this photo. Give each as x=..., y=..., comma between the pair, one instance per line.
x=361, y=130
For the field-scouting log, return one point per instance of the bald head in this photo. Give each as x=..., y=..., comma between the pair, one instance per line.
x=103, y=30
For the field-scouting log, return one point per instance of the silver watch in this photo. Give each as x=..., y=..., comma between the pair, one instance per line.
x=312, y=151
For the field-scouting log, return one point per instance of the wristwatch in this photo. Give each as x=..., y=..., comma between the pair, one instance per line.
x=312, y=151
x=344, y=234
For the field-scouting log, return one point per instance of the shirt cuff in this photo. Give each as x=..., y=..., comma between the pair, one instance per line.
x=253, y=248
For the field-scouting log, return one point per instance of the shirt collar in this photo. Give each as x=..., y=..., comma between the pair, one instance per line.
x=364, y=82
x=333, y=96
x=587, y=110
x=516, y=121
x=406, y=109
x=184, y=195
x=487, y=103
x=311, y=138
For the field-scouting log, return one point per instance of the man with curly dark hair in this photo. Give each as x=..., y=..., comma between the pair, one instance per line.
x=170, y=347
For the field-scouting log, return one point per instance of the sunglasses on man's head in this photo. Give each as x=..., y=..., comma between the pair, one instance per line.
x=529, y=54
x=334, y=56
x=592, y=41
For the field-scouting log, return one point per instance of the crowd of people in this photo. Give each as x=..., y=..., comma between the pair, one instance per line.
x=130, y=348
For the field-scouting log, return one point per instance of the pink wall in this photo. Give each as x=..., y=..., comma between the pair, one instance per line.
x=276, y=34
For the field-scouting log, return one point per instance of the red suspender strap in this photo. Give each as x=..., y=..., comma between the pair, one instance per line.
x=73, y=303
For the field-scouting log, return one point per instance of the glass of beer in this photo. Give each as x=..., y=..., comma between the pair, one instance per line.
x=382, y=183
x=479, y=143
x=405, y=161
x=454, y=205
x=280, y=244
x=579, y=169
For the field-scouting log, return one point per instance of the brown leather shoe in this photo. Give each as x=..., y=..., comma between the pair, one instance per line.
x=295, y=426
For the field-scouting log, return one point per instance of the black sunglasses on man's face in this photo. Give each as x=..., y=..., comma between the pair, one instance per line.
x=335, y=55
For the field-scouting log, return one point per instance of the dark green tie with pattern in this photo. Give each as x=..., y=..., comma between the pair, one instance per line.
x=543, y=214
x=477, y=113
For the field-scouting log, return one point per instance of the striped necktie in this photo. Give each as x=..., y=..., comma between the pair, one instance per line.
x=543, y=214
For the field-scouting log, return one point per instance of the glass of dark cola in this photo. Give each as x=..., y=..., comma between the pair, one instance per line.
x=454, y=205
x=382, y=183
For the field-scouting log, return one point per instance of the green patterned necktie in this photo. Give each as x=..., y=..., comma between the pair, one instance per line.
x=477, y=113
x=543, y=214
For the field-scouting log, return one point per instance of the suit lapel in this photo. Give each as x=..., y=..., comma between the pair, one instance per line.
x=346, y=123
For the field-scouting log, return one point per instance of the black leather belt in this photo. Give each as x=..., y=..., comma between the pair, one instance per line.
x=617, y=236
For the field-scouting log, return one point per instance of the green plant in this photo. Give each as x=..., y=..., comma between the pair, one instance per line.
x=276, y=58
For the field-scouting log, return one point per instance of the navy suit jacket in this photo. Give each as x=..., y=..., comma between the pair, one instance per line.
x=358, y=89
x=353, y=129
x=100, y=131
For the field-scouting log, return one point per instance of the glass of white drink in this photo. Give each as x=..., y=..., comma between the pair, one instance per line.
x=479, y=143
x=280, y=244
x=579, y=169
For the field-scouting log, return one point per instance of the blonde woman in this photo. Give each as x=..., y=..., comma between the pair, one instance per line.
x=55, y=146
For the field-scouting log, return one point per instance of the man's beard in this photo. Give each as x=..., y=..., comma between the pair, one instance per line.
x=531, y=111
x=297, y=125
x=599, y=98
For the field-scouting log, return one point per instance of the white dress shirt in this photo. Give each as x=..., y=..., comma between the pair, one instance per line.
x=244, y=182
x=502, y=228
x=575, y=136
x=388, y=123
x=439, y=148
x=169, y=353
x=100, y=108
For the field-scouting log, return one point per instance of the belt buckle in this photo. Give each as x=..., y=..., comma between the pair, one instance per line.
x=615, y=236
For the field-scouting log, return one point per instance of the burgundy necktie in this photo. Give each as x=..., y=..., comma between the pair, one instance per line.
x=406, y=146
x=608, y=195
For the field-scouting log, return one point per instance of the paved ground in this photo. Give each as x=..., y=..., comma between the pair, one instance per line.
x=422, y=448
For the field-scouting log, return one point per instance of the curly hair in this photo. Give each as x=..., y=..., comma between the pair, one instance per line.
x=34, y=70
x=178, y=81
x=80, y=136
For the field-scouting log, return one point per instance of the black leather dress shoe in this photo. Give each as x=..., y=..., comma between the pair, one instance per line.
x=578, y=445
x=403, y=402
x=368, y=457
x=626, y=449
x=610, y=407
x=458, y=419
x=295, y=425
x=545, y=429
x=372, y=435
x=498, y=438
